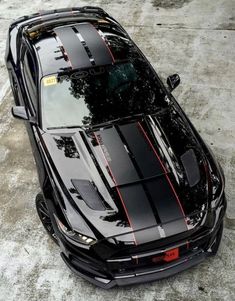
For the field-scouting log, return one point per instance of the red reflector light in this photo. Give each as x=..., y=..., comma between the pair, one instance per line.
x=168, y=256
x=171, y=255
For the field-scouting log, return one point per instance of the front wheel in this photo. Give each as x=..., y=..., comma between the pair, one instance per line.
x=44, y=216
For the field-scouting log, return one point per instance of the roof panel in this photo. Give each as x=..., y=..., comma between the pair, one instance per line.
x=99, y=50
x=83, y=45
x=47, y=51
x=74, y=48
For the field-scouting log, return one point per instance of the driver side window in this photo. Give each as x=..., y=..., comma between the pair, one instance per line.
x=30, y=77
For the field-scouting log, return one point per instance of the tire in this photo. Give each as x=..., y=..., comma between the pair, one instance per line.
x=44, y=216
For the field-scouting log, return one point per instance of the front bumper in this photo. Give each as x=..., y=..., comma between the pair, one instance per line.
x=103, y=273
x=139, y=276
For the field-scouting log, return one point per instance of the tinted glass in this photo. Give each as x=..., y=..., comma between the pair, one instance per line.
x=30, y=78
x=13, y=43
x=100, y=94
x=30, y=68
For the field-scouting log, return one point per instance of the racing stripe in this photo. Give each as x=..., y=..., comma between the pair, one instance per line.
x=166, y=205
x=117, y=156
x=142, y=152
x=140, y=213
x=165, y=197
x=98, y=48
x=100, y=143
x=133, y=197
x=75, y=50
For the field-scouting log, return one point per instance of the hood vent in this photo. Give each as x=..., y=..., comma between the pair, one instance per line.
x=89, y=194
x=190, y=164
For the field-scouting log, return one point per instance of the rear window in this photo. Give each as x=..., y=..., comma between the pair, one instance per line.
x=100, y=94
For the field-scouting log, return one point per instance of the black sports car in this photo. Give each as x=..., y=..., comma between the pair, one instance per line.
x=130, y=191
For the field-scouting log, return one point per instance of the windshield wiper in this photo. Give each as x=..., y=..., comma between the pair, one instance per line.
x=113, y=121
x=67, y=127
x=109, y=122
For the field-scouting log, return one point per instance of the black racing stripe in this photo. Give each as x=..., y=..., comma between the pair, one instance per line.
x=94, y=42
x=117, y=157
x=140, y=213
x=141, y=150
x=136, y=197
x=166, y=204
x=140, y=173
x=74, y=48
x=175, y=227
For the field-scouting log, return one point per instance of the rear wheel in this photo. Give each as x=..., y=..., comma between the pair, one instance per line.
x=44, y=216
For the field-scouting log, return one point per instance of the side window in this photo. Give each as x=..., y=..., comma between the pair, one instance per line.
x=30, y=77
x=13, y=36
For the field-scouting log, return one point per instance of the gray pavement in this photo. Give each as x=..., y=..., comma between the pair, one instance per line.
x=194, y=38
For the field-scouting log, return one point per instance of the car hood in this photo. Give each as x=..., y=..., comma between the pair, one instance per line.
x=133, y=182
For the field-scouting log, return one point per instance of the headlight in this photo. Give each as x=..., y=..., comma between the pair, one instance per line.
x=215, y=175
x=217, y=192
x=73, y=236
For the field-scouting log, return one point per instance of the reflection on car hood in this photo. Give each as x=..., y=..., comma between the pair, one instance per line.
x=136, y=181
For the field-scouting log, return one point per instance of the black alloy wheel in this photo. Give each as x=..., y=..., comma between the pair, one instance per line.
x=44, y=216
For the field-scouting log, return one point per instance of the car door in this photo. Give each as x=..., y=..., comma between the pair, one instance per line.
x=29, y=73
x=29, y=77
x=12, y=63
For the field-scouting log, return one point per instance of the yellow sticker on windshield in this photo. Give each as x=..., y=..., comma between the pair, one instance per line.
x=50, y=80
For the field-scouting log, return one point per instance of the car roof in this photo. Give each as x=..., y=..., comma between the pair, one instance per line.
x=80, y=45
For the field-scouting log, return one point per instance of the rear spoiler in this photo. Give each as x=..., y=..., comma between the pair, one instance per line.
x=45, y=25
x=55, y=13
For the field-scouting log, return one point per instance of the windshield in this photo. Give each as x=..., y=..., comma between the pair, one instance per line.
x=100, y=94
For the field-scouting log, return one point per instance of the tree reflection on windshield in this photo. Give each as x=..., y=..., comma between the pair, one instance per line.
x=116, y=91
x=101, y=94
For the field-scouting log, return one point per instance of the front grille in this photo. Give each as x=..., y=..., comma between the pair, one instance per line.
x=139, y=257
x=161, y=243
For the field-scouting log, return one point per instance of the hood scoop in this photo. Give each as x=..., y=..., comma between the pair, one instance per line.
x=89, y=194
x=191, y=167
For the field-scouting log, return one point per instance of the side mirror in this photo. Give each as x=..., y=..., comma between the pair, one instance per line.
x=19, y=112
x=173, y=81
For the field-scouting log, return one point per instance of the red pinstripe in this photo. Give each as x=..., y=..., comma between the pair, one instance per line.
x=164, y=169
x=110, y=52
x=118, y=191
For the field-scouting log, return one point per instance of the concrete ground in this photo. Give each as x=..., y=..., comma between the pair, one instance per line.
x=194, y=38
